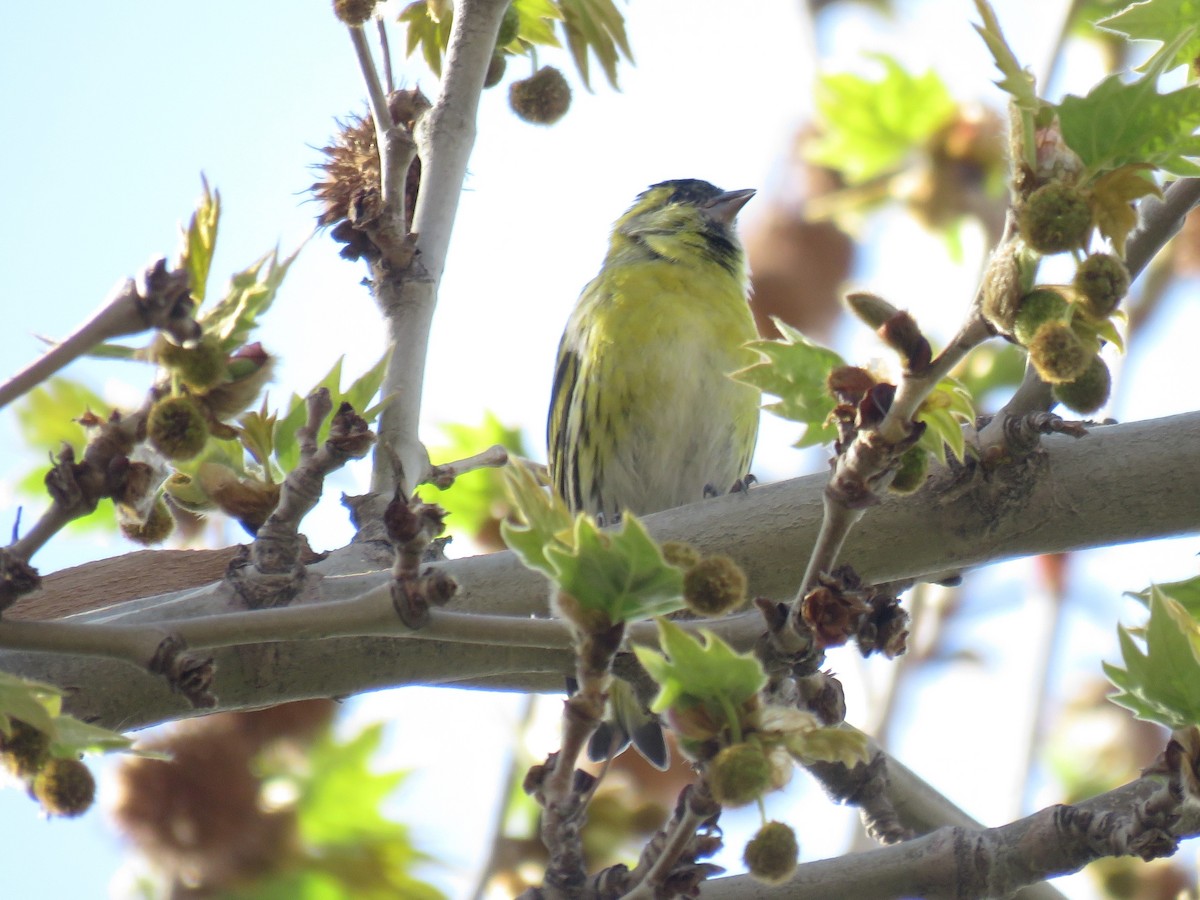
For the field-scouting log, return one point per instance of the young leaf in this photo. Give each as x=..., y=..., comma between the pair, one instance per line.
x=1185, y=593
x=1119, y=124
x=706, y=671
x=1158, y=21
x=200, y=240
x=1161, y=684
x=544, y=520
x=251, y=293
x=871, y=127
x=1017, y=81
x=598, y=26
x=535, y=23
x=48, y=418
x=33, y=702
x=427, y=29
x=621, y=573
x=944, y=412
x=1112, y=199
x=795, y=370
x=833, y=744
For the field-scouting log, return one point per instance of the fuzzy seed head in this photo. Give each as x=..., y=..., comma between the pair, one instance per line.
x=543, y=98
x=353, y=12
x=772, y=854
x=64, y=787
x=739, y=774
x=495, y=70
x=680, y=554
x=1089, y=391
x=1056, y=218
x=1037, y=308
x=199, y=367
x=1058, y=354
x=176, y=428
x=1102, y=282
x=157, y=528
x=25, y=750
x=714, y=586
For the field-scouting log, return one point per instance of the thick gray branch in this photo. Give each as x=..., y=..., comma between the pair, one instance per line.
x=1120, y=483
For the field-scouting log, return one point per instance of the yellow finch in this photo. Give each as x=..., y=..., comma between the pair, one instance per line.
x=643, y=415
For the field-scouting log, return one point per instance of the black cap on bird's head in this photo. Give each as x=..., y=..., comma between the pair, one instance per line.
x=723, y=206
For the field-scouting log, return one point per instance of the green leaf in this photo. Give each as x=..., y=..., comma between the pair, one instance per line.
x=33, y=702
x=73, y=737
x=535, y=24
x=621, y=574
x=1017, y=81
x=944, y=412
x=871, y=127
x=795, y=370
x=598, y=26
x=200, y=240
x=1119, y=123
x=1185, y=593
x=428, y=27
x=1158, y=20
x=700, y=671
x=47, y=418
x=250, y=294
x=1161, y=684
x=833, y=744
x=358, y=395
x=544, y=520
x=476, y=499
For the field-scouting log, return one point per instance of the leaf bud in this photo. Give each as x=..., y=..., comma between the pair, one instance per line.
x=914, y=467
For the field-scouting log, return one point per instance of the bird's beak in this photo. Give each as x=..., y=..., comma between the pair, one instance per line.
x=725, y=207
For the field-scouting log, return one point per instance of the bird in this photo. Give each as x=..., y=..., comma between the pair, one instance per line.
x=643, y=414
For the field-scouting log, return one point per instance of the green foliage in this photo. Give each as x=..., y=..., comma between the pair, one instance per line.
x=40, y=706
x=1185, y=593
x=348, y=847
x=48, y=418
x=251, y=292
x=200, y=240
x=358, y=394
x=872, y=126
x=1017, y=81
x=832, y=744
x=703, y=671
x=476, y=498
x=1120, y=123
x=1162, y=683
x=947, y=408
x=795, y=369
x=591, y=28
x=596, y=26
x=1159, y=21
x=619, y=574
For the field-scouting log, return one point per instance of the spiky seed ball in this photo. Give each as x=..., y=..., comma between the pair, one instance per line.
x=739, y=774
x=543, y=98
x=914, y=467
x=1058, y=353
x=176, y=428
x=1037, y=308
x=199, y=367
x=495, y=70
x=1089, y=391
x=353, y=12
x=1055, y=218
x=714, y=586
x=772, y=854
x=680, y=554
x=1102, y=282
x=64, y=787
x=25, y=750
x=157, y=527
